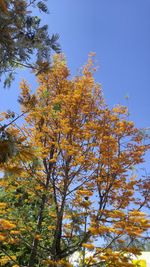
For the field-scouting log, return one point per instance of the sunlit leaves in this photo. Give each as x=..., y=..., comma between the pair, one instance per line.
x=72, y=180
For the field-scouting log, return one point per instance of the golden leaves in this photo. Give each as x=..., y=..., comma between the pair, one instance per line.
x=51, y=227
x=6, y=225
x=14, y=232
x=38, y=237
x=2, y=116
x=114, y=258
x=100, y=229
x=86, y=193
x=2, y=237
x=3, y=205
x=61, y=263
x=6, y=259
x=120, y=110
x=117, y=214
x=134, y=224
x=88, y=246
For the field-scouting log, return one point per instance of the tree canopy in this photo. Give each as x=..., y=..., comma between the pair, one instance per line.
x=71, y=180
x=24, y=42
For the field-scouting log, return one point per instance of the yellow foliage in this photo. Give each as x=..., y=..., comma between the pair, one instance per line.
x=3, y=205
x=51, y=227
x=139, y=263
x=64, y=263
x=5, y=259
x=93, y=230
x=85, y=192
x=13, y=232
x=2, y=237
x=38, y=237
x=60, y=263
x=6, y=225
x=88, y=246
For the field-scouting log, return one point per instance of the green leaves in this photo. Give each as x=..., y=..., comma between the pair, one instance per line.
x=42, y=6
x=57, y=107
x=22, y=36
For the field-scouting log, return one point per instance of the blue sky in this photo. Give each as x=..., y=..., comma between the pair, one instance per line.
x=119, y=32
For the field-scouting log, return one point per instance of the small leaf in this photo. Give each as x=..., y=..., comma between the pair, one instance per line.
x=42, y=7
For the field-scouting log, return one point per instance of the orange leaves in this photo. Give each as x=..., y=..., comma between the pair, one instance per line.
x=134, y=224
x=86, y=193
x=14, y=169
x=114, y=258
x=51, y=227
x=3, y=116
x=88, y=246
x=101, y=230
x=136, y=213
x=82, y=201
x=6, y=259
x=85, y=204
x=2, y=237
x=118, y=109
x=117, y=214
x=38, y=237
x=94, y=230
x=61, y=263
x=26, y=100
x=7, y=234
x=14, y=232
x=139, y=221
x=3, y=205
x=6, y=225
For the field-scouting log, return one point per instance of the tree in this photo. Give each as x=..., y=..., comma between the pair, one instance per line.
x=24, y=42
x=74, y=182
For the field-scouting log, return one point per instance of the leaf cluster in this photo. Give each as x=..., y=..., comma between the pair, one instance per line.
x=24, y=41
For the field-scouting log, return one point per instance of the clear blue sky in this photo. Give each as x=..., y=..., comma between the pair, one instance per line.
x=119, y=32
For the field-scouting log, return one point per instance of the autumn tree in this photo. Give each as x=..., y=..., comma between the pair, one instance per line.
x=24, y=41
x=74, y=183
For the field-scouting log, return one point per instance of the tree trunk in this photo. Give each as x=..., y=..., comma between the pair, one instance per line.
x=35, y=241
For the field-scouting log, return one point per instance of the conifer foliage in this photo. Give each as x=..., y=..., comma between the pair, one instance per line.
x=71, y=181
x=24, y=42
